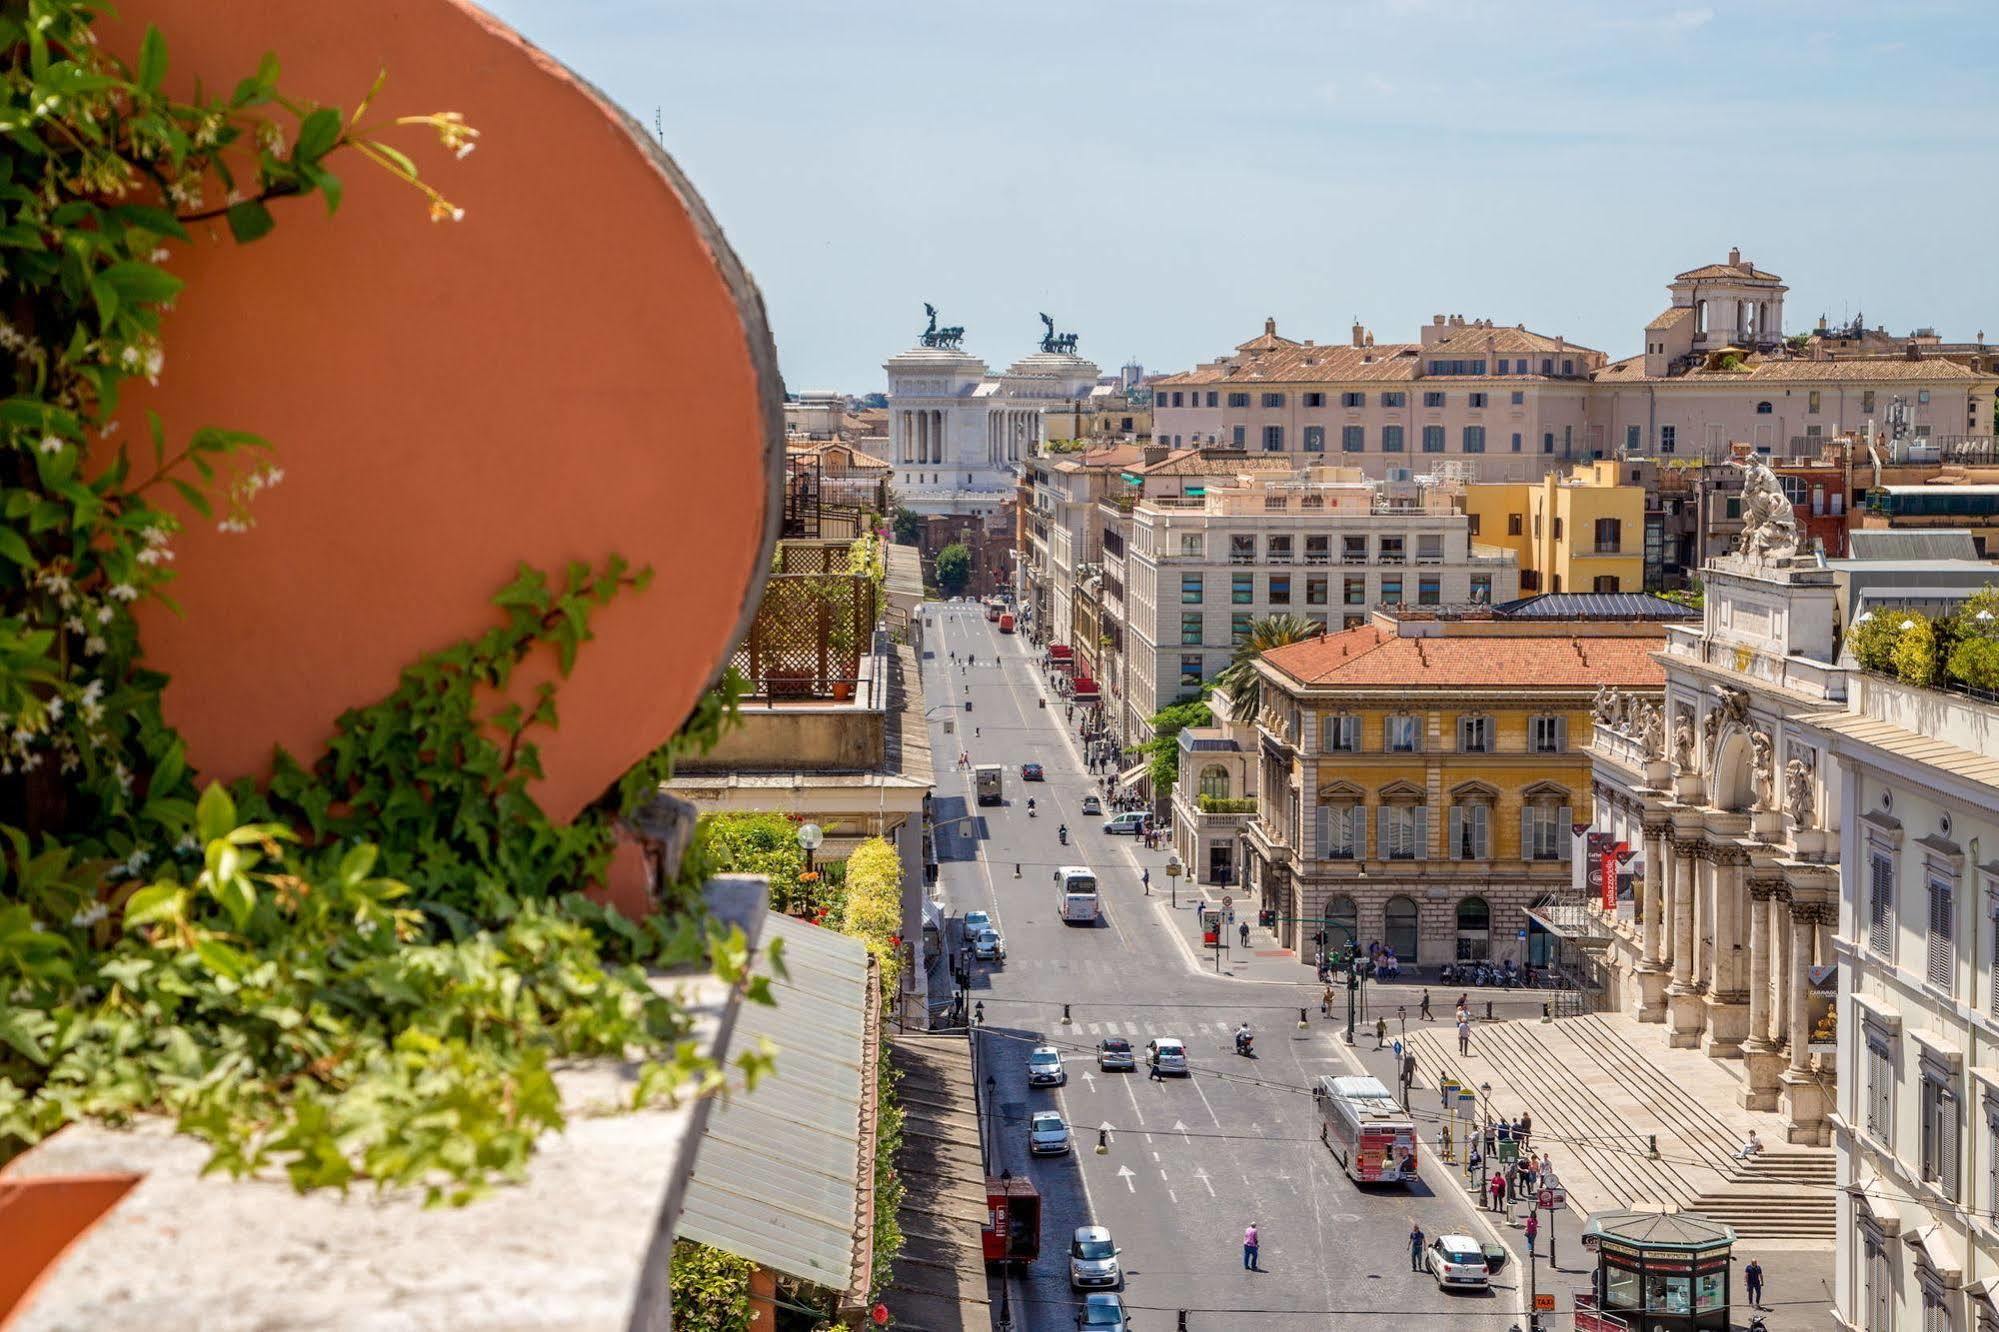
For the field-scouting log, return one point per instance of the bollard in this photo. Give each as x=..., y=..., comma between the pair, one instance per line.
x=1488, y=1010
x=1065, y=1015
x=1546, y=1016
x=1016, y=869
x=1103, y=1141
x=1653, y=1145
x=1301, y=1019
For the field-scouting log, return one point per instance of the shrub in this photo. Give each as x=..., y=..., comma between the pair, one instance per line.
x=711, y=1289
x=873, y=909
x=1975, y=662
x=765, y=844
x=1915, y=654
x=1873, y=641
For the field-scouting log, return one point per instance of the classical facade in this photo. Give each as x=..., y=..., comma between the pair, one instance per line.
x=1733, y=813
x=1420, y=778
x=958, y=432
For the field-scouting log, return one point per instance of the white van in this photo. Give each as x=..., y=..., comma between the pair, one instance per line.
x=1131, y=823
x=1076, y=895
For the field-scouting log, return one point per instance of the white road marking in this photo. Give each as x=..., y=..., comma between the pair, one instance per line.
x=1124, y=1173
x=1202, y=1175
x=1204, y=1101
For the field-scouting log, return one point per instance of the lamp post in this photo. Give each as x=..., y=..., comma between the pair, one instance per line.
x=810, y=838
x=1174, y=869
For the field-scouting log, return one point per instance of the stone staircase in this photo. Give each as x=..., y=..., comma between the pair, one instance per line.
x=1599, y=1099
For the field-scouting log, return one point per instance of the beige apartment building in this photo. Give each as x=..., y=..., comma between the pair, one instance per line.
x=1513, y=404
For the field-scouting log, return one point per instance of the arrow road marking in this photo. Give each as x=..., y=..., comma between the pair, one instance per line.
x=1202, y=1175
x=1124, y=1173
x=1090, y=1081
x=1180, y=1128
x=1105, y=1129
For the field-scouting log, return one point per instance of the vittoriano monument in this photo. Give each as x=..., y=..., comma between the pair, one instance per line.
x=934, y=336
x=1056, y=342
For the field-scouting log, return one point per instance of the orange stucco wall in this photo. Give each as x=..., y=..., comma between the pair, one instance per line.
x=578, y=368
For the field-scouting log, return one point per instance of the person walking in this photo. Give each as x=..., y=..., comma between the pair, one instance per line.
x=1425, y=1010
x=1326, y=1001
x=1533, y=1229
x=1145, y=880
x=1526, y=1128
x=1498, y=1190
x=1752, y=1281
x=1415, y=1246
x=1249, y=1248
x=1464, y=1034
x=1245, y=934
x=1381, y=1033
x=1474, y=1166
x=1152, y=1070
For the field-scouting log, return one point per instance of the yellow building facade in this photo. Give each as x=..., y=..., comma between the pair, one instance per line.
x=1580, y=532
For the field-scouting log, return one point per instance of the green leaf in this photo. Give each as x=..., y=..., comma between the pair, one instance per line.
x=317, y=134
x=156, y=902
x=215, y=814
x=249, y=220
x=14, y=1030
x=152, y=59
x=195, y=499
x=140, y=283
x=14, y=546
x=221, y=959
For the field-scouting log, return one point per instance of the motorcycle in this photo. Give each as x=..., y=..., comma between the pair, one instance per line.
x=1062, y=834
x=1030, y=809
x=1245, y=1045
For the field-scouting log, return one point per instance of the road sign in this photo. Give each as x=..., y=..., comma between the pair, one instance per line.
x=1552, y=1199
x=1227, y=900
x=1543, y=1302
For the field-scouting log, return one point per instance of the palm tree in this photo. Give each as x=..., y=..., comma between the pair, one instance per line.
x=1239, y=678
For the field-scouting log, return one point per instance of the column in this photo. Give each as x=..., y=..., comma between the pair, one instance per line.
x=1650, y=905
x=1759, y=965
x=1685, y=888
x=1729, y=965
x=1780, y=972
x=1803, y=918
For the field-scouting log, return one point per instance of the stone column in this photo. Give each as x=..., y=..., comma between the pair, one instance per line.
x=1780, y=967
x=1804, y=916
x=1652, y=923
x=1806, y=1096
x=1762, y=1061
x=1728, y=1002
x=1683, y=999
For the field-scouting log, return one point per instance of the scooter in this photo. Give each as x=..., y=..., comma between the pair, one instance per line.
x=1030, y=809
x=1062, y=834
x=1245, y=1046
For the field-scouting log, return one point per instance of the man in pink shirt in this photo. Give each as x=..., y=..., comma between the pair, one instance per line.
x=1249, y=1248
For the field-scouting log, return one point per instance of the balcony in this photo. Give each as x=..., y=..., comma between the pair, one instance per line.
x=812, y=634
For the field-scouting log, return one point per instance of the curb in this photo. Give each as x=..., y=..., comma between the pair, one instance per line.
x=1193, y=962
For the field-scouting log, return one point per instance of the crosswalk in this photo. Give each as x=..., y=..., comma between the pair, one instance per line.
x=1148, y=1030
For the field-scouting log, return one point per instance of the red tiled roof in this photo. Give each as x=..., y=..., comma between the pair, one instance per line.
x=1726, y=271
x=1368, y=656
x=1474, y=338
x=1673, y=315
x=1802, y=370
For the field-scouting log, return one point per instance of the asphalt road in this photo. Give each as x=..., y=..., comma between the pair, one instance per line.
x=1191, y=1161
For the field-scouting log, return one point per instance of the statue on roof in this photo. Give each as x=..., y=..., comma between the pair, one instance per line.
x=1769, y=523
x=934, y=336
x=1051, y=341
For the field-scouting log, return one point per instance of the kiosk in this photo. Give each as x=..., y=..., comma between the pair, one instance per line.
x=1656, y=1272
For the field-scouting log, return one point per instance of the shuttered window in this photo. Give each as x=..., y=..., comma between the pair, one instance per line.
x=1880, y=1091
x=1470, y=829
x=1404, y=833
x=1939, y=1145
x=1881, y=902
x=1942, y=955
x=1342, y=733
x=1548, y=735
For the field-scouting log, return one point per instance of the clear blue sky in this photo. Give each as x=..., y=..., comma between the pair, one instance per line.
x=1160, y=176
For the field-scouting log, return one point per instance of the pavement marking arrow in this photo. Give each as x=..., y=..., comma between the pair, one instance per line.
x=1202, y=1175
x=1105, y=1129
x=1124, y=1173
x=1180, y=1128
x=1090, y=1081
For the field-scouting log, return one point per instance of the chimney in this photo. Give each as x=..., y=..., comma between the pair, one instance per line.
x=1913, y=354
x=1734, y=257
x=1270, y=327
x=1359, y=334
x=1155, y=453
x=1437, y=320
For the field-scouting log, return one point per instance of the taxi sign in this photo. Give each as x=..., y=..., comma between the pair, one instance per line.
x=1543, y=1302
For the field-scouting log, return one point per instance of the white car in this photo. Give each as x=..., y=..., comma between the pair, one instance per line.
x=987, y=946
x=1047, y=1134
x=1168, y=1054
x=1130, y=823
x=1093, y=1259
x=1044, y=1067
x=976, y=923
x=1458, y=1260
x=1092, y=805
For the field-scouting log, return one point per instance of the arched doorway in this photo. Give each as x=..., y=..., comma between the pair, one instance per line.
x=1398, y=933
x=1474, y=929
x=1342, y=924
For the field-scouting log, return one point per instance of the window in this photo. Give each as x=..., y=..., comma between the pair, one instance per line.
x=1470, y=831
x=1879, y=1297
x=1474, y=439
x=1238, y=400
x=1401, y=735
x=1481, y=589
x=1433, y=439
x=1547, y=365
x=1394, y=398
x=1568, y=366
x=1478, y=400
x=1429, y=592
x=1273, y=400
x=1236, y=435
x=1880, y=1089
x=1881, y=903
x=1548, y=441
x=1471, y=367
x=1353, y=400
x=1314, y=399
x=1190, y=589
x=1867, y=400
x=1475, y=735
x=1393, y=550
x=1280, y=589
x=1516, y=523
x=1315, y=439
x=1991, y=1155
x=1812, y=402
x=1732, y=507
x=1353, y=550
x=1922, y=395
x=1398, y=917
x=1343, y=838
x=1312, y=502
x=1762, y=409
x=1631, y=439
x=1211, y=402
x=1668, y=438
x=1433, y=399
x=1273, y=439
x=1939, y=1146
x=1519, y=398
x=1239, y=626
x=1472, y=519
x=1404, y=832
x=1547, y=735
x=1605, y=583
x=1353, y=439
x=1936, y=1310
x=1547, y=833
x=1190, y=671
x=1315, y=546
x=1242, y=588
x=1609, y=535
x=1190, y=628
x=1429, y=548
x=1391, y=439
x=1942, y=957
x=1342, y=733
x=1280, y=549
x=1315, y=590
x=1215, y=781
x=1356, y=592
x=1192, y=545
x=1516, y=441
x=1342, y=924
x=1391, y=591
x=1558, y=527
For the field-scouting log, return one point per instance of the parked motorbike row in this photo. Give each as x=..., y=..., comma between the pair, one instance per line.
x=1505, y=977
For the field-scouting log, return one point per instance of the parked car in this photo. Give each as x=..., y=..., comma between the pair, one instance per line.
x=1457, y=1260
x=1092, y=805
x=1131, y=823
x=1168, y=1054
x=1031, y=772
x=1047, y=1135
x=977, y=923
x=987, y=946
x=1044, y=1067
x=1102, y=1310
x=1093, y=1259
x=1114, y=1052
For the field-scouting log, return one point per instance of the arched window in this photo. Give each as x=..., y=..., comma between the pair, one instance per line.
x=1474, y=929
x=1762, y=409
x=1215, y=781
x=1398, y=931
x=1342, y=924
x=1700, y=318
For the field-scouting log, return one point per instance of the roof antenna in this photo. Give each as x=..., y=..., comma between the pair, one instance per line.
x=658, y=127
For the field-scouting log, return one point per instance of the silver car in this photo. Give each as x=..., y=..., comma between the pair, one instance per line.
x=1093, y=1259
x=1047, y=1134
x=1044, y=1067
x=1102, y=1312
x=1167, y=1054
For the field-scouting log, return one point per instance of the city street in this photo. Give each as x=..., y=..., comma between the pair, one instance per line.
x=1191, y=1161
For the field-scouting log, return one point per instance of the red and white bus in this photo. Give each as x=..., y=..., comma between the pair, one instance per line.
x=1006, y=624
x=1372, y=1137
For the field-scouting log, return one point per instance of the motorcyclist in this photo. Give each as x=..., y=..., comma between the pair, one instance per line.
x=1030, y=807
x=1243, y=1039
x=1062, y=834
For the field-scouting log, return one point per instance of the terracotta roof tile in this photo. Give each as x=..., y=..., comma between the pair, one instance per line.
x=1371, y=657
x=1726, y=271
x=1474, y=338
x=1803, y=370
x=1678, y=314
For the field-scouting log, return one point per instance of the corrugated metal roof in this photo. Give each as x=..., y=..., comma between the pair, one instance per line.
x=779, y=1176
x=1594, y=606
x=1935, y=543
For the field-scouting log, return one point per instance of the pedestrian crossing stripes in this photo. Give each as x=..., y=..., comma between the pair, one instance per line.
x=1164, y=1027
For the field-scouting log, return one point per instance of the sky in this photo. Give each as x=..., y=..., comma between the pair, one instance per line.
x=1161, y=176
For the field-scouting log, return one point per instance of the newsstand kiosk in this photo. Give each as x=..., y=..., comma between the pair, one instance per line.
x=1656, y=1272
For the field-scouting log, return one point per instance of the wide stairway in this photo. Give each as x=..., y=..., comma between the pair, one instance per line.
x=1602, y=1088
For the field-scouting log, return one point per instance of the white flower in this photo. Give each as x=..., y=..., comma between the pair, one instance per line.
x=90, y=915
x=155, y=359
x=93, y=691
x=154, y=555
x=465, y=149
x=232, y=526
x=37, y=927
x=137, y=860
x=365, y=927
x=110, y=429
x=30, y=761
x=74, y=624
x=55, y=708
x=273, y=475
x=160, y=255
x=124, y=591
x=129, y=358
x=94, y=645
x=104, y=614
x=187, y=843
x=52, y=443
x=124, y=776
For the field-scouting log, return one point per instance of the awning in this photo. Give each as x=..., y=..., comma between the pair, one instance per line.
x=1129, y=777
x=1085, y=687
x=1060, y=650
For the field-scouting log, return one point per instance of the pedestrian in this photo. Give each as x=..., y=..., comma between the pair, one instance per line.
x=1752, y=1281
x=1425, y=1010
x=1533, y=1229
x=1245, y=934
x=1249, y=1248
x=1326, y=1001
x=1526, y=1127
x=1505, y=1129
x=1498, y=1190
x=1464, y=1003
x=1474, y=1166
x=1145, y=881
x=1415, y=1247
x=1751, y=1147
x=1152, y=1070
x=1464, y=1035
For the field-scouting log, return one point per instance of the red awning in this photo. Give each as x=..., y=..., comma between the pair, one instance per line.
x=1059, y=650
x=1085, y=685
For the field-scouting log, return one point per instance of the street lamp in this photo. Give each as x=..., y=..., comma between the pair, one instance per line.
x=1174, y=869
x=810, y=837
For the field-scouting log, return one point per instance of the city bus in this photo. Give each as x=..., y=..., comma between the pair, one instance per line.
x=993, y=610
x=1372, y=1137
x=986, y=778
x=1076, y=895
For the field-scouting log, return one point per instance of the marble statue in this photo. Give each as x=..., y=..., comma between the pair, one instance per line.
x=1769, y=523
x=1651, y=729
x=1762, y=770
x=1683, y=742
x=1802, y=797
x=1600, y=705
